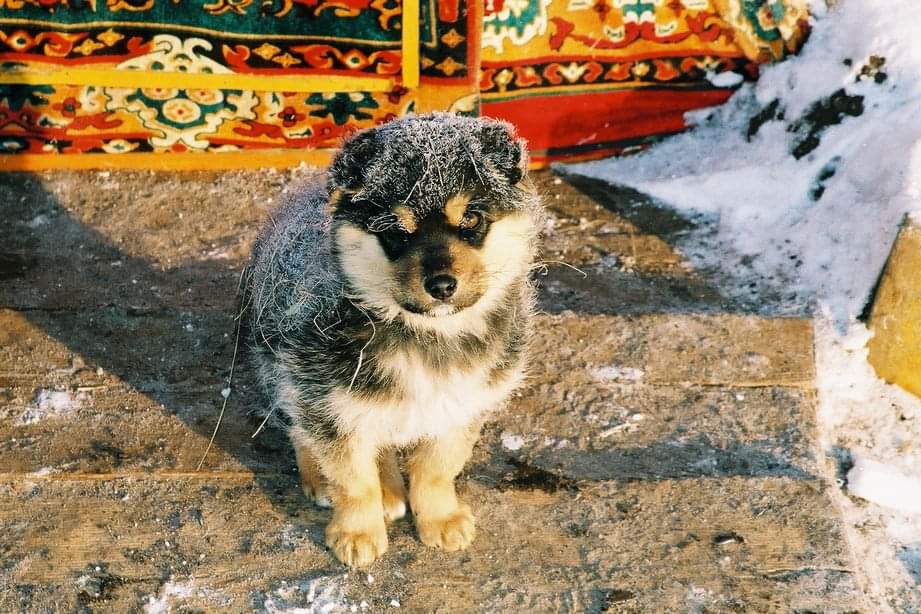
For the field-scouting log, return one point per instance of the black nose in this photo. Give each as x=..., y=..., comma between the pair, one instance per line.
x=441, y=287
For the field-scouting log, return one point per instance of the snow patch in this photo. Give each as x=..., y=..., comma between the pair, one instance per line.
x=512, y=442
x=174, y=593
x=725, y=79
x=51, y=404
x=617, y=374
x=884, y=485
x=37, y=221
x=320, y=595
x=810, y=230
x=859, y=412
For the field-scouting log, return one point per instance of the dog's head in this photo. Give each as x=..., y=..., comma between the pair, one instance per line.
x=431, y=219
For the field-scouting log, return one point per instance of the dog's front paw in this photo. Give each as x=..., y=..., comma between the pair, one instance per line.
x=394, y=504
x=318, y=494
x=357, y=548
x=452, y=532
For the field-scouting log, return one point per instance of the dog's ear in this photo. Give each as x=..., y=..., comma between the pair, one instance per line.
x=347, y=170
x=503, y=150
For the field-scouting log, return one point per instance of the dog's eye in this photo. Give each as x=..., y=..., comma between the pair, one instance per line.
x=471, y=220
x=394, y=235
x=394, y=241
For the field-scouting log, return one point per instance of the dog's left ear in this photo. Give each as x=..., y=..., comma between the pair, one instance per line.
x=503, y=150
x=350, y=164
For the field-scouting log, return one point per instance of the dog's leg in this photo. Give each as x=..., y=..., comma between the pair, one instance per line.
x=315, y=486
x=393, y=490
x=442, y=520
x=356, y=534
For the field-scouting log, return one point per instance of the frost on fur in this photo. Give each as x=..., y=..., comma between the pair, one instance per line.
x=298, y=301
x=293, y=277
x=420, y=159
x=390, y=308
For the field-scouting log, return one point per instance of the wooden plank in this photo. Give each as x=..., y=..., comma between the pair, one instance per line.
x=185, y=161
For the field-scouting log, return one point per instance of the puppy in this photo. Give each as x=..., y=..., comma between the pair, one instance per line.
x=389, y=309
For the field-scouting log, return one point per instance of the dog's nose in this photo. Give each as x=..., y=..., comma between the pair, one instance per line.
x=441, y=287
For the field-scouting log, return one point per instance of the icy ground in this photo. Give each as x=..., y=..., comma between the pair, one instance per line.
x=797, y=188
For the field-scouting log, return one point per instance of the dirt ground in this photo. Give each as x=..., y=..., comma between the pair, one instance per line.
x=662, y=457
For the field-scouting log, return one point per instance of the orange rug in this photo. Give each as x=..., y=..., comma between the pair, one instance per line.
x=149, y=83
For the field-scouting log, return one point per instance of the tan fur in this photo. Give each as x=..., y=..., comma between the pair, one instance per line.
x=406, y=218
x=356, y=534
x=442, y=520
x=335, y=198
x=314, y=484
x=456, y=208
x=392, y=488
x=316, y=487
x=467, y=265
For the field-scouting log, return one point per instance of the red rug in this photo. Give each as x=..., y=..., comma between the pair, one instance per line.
x=589, y=78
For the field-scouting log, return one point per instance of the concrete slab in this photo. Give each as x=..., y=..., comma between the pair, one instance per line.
x=232, y=544
x=661, y=459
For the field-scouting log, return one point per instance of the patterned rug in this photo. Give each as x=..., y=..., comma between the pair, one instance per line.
x=589, y=78
x=274, y=82
x=155, y=76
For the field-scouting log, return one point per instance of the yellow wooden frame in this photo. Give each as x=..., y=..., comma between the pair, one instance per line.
x=186, y=161
x=409, y=69
x=228, y=81
x=410, y=58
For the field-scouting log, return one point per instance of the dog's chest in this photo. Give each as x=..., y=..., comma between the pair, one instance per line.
x=426, y=402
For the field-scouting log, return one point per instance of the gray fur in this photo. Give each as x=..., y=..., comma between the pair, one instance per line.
x=292, y=274
x=419, y=159
x=301, y=320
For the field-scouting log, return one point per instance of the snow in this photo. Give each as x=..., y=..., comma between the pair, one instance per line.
x=725, y=79
x=50, y=404
x=319, y=595
x=754, y=199
x=174, y=593
x=512, y=442
x=790, y=225
x=884, y=485
x=615, y=373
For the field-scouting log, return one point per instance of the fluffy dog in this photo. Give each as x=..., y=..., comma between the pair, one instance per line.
x=389, y=309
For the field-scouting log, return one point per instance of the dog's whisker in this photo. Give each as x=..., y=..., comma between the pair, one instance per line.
x=361, y=353
x=228, y=389
x=542, y=264
x=263, y=423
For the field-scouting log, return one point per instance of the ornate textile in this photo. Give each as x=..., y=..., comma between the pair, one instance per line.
x=63, y=64
x=585, y=78
x=118, y=79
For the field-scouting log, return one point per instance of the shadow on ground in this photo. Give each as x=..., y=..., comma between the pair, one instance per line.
x=609, y=287
x=168, y=331
x=143, y=287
